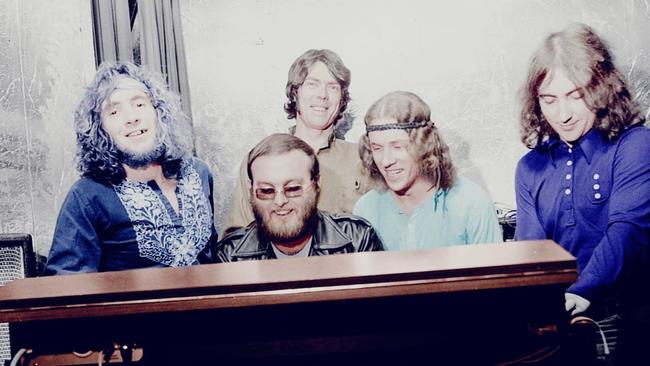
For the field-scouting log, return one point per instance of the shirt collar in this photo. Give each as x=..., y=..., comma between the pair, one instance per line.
x=587, y=144
x=330, y=139
x=326, y=236
x=592, y=142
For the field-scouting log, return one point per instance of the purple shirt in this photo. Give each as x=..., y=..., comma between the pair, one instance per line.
x=594, y=200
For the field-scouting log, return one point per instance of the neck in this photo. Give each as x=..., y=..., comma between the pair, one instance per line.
x=294, y=246
x=145, y=174
x=420, y=191
x=314, y=138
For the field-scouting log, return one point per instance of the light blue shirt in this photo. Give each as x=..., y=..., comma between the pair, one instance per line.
x=463, y=215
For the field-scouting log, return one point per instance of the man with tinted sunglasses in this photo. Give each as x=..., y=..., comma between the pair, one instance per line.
x=284, y=175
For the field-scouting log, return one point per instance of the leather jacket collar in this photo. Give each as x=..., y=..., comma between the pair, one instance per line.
x=326, y=237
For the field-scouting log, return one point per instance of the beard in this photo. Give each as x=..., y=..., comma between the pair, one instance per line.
x=281, y=231
x=141, y=160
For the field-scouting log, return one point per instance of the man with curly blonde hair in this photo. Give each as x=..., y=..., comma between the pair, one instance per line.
x=419, y=202
x=142, y=200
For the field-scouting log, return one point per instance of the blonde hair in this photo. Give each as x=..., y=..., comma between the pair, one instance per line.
x=426, y=144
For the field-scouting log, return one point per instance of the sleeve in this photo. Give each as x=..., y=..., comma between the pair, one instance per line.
x=361, y=208
x=372, y=242
x=626, y=238
x=482, y=223
x=223, y=249
x=206, y=254
x=76, y=246
x=240, y=214
x=528, y=226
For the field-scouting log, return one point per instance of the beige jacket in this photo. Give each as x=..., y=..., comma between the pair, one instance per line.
x=342, y=182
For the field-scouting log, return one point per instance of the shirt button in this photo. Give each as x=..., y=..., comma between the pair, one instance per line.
x=567, y=177
x=597, y=195
x=570, y=150
x=569, y=163
x=596, y=186
x=596, y=176
x=567, y=191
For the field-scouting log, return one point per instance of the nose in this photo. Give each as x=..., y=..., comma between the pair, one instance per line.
x=387, y=158
x=131, y=115
x=564, y=112
x=280, y=199
x=322, y=91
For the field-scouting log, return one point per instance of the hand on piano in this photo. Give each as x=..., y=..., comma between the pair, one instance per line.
x=576, y=303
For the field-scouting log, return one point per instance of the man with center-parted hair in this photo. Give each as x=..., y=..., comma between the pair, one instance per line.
x=317, y=99
x=419, y=202
x=586, y=181
x=284, y=174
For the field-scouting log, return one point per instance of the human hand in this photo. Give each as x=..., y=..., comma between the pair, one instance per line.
x=578, y=303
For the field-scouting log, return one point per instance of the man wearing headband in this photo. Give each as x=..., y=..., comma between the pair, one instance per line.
x=285, y=176
x=418, y=202
x=317, y=98
x=142, y=200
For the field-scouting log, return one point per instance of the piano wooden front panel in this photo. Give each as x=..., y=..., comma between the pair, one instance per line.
x=354, y=305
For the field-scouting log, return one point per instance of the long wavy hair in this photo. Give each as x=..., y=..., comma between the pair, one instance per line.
x=426, y=145
x=589, y=65
x=97, y=153
x=298, y=73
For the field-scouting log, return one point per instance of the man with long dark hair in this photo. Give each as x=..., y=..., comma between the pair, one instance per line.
x=586, y=181
x=317, y=99
x=142, y=200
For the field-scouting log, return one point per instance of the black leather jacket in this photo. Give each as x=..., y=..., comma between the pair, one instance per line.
x=334, y=234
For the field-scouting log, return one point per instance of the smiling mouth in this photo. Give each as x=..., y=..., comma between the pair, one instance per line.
x=136, y=133
x=282, y=213
x=319, y=108
x=393, y=172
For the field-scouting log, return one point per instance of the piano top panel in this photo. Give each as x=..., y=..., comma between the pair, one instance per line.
x=254, y=283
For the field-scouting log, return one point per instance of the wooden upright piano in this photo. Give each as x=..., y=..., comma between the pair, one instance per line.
x=475, y=304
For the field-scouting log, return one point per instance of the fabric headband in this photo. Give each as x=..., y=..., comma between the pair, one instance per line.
x=398, y=126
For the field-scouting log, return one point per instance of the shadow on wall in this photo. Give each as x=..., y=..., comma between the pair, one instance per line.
x=460, y=152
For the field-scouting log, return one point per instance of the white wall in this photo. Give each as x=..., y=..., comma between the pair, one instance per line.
x=46, y=57
x=466, y=59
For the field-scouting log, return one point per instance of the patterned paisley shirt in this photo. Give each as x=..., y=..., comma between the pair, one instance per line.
x=133, y=225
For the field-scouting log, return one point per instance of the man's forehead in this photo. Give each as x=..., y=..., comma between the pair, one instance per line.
x=281, y=168
x=320, y=71
x=128, y=83
x=125, y=84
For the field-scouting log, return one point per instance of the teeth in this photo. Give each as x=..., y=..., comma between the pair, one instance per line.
x=135, y=133
x=320, y=109
x=282, y=212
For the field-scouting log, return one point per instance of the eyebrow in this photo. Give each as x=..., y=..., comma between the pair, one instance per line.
x=332, y=82
x=291, y=181
x=133, y=98
x=566, y=94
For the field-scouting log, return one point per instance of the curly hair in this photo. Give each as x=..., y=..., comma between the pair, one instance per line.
x=97, y=154
x=298, y=73
x=425, y=143
x=589, y=65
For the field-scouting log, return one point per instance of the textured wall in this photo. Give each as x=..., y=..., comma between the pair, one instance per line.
x=467, y=59
x=45, y=49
